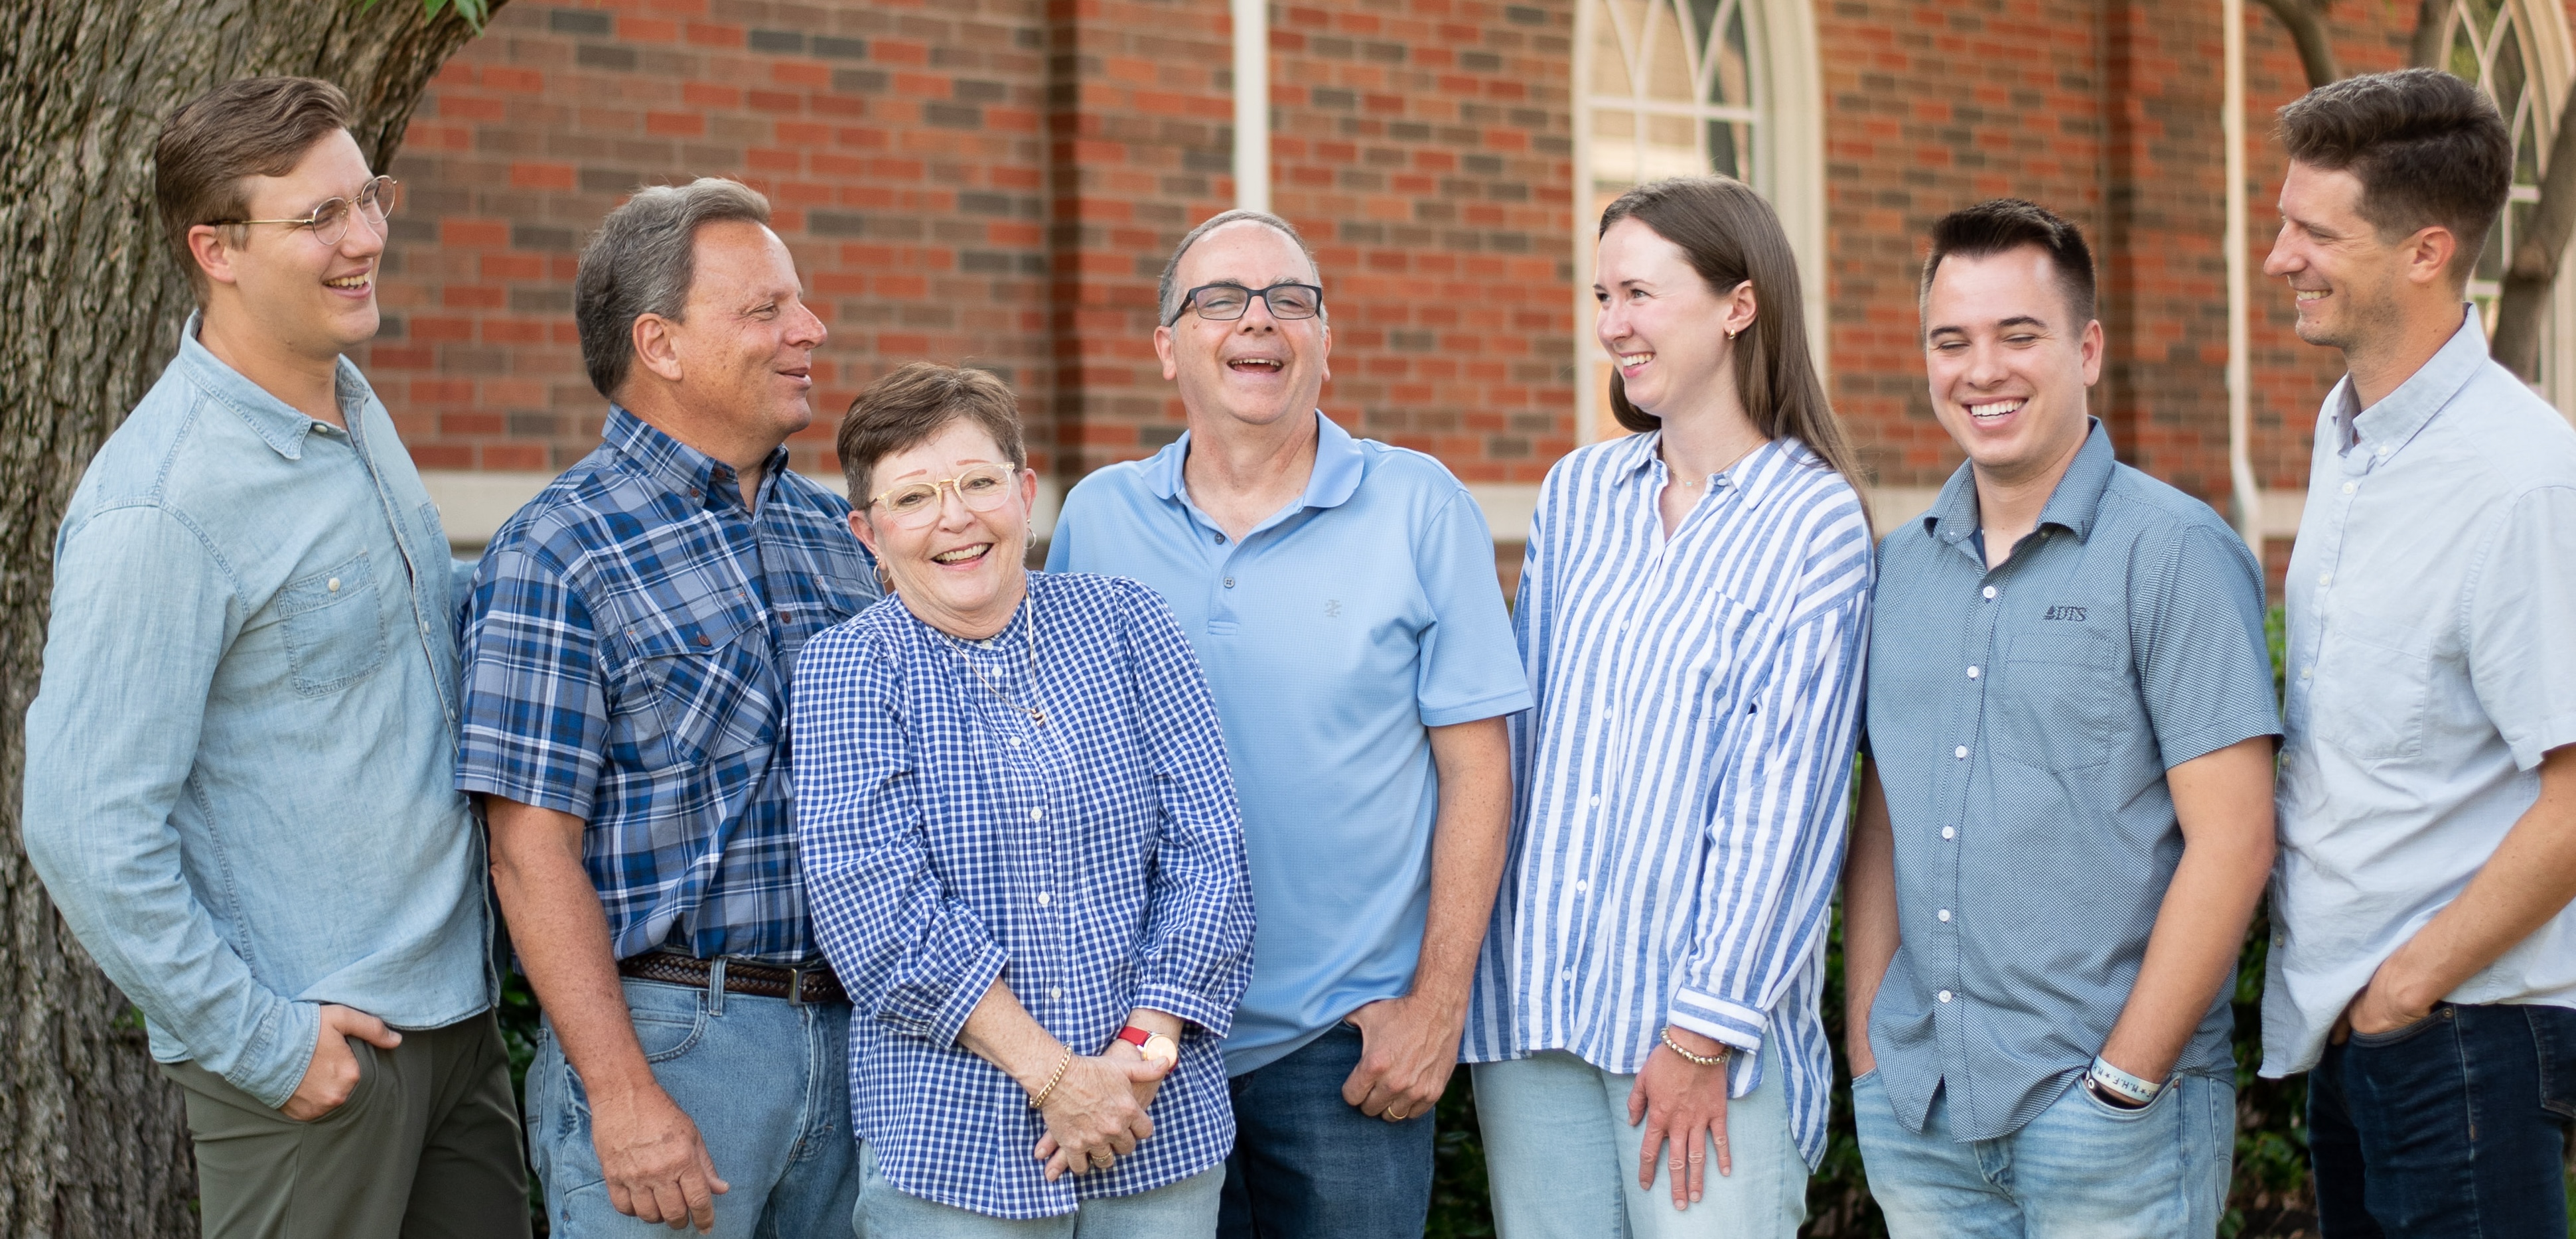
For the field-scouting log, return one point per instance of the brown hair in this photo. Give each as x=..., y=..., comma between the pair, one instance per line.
x=1731, y=235
x=258, y=126
x=910, y=406
x=2001, y=225
x=2426, y=146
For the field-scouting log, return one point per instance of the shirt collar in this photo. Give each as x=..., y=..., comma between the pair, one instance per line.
x=680, y=468
x=1754, y=477
x=1340, y=463
x=2073, y=505
x=280, y=425
x=2401, y=413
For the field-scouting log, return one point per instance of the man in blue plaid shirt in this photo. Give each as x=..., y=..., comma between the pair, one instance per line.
x=628, y=652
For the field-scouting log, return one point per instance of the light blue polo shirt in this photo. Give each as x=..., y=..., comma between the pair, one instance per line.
x=1332, y=636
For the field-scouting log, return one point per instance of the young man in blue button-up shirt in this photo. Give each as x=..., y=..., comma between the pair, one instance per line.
x=2424, y=968
x=239, y=765
x=1341, y=596
x=2067, y=817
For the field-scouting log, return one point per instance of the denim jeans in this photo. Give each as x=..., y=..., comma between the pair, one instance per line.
x=766, y=1081
x=2080, y=1170
x=1562, y=1159
x=2455, y=1124
x=1309, y=1165
x=1183, y=1210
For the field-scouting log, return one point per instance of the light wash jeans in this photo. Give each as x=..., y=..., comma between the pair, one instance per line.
x=2081, y=1170
x=766, y=1081
x=1183, y=1210
x=1562, y=1160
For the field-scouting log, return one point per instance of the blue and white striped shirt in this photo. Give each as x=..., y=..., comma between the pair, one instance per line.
x=1680, y=787
x=1093, y=863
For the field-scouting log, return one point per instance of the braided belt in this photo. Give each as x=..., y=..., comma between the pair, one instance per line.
x=796, y=985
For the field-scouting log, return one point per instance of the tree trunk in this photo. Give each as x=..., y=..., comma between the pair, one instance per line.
x=92, y=1140
x=2536, y=256
x=2306, y=22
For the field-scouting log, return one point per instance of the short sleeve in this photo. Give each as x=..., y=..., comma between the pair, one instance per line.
x=1470, y=667
x=2522, y=625
x=536, y=703
x=2203, y=667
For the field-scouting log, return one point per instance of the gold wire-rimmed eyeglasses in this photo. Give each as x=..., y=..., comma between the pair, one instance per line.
x=914, y=504
x=330, y=219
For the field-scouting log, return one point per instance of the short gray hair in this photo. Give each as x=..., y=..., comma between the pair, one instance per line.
x=642, y=261
x=1169, y=298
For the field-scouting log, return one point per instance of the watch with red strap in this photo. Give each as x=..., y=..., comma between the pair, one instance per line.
x=1156, y=1047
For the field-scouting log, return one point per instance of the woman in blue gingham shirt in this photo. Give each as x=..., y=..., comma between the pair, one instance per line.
x=1019, y=840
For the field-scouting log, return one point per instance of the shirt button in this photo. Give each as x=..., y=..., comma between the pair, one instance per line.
x=2349, y=487
x=1055, y=991
x=1972, y=673
x=1581, y=885
x=1229, y=582
x=1567, y=975
x=782, y=618
x=1944, y=914
x=1943, y=995
x=1042, y=898
x=1220, y=539
x=704, y=639
x=1949, y=832
x=1037, y=815
x=2305, y=672
x=1596, y=802
x=2325, y=578
x=333, y=585
x=1015, y=742
x=1990, y=593
x=2383, y=451
x=1960, y=752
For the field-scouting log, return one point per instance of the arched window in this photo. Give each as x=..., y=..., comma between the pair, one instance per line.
x=2516, y=52
x=1684, y=87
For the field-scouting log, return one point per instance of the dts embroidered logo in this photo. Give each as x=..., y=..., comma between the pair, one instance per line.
x=2063, y=612
x=1332, y=608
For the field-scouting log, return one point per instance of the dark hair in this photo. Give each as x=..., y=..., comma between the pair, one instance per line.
x=2002, y=225
x=641, y=261
x=1167, y=297
x=911, y=405
x=2426, y=146
x=1731, y=235
x=258, y=126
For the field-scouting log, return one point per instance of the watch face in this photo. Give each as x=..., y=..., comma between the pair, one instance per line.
x=1160, y=1049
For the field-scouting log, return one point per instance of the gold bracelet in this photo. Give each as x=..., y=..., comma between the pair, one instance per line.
x=1698, y=1060
x=1039, y=1101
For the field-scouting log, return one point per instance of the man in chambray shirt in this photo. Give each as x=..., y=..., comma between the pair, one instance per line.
x=1341, y=596
x=2067, y=816
x=239, y=764
x=2423, y=965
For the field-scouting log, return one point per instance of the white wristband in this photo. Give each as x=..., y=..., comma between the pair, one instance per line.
x=2121, y=1083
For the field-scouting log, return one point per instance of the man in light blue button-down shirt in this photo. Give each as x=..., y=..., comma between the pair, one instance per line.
x=2423, y=964
x=240, y=787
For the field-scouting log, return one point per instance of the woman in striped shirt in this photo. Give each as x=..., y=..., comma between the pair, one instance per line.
x=1693, y=610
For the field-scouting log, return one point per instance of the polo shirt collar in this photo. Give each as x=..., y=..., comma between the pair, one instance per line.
x=1754, y=477
x=2073, y=505
x=279, y=425
x=679, y=468
x=2398, y=415
x=1339, y=465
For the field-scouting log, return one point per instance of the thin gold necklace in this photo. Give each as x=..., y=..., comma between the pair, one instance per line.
x=1035, y=715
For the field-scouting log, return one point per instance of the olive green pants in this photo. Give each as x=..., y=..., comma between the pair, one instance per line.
x=426, y=1147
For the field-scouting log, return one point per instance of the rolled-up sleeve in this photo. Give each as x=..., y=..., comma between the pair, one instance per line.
x=1195, y=956
x=919, y=956
x=143, y=612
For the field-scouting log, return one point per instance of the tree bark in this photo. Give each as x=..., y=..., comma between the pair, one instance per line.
x=92, y=1140
x=2536, y=256
x=2432, y=20
x=2306, y=22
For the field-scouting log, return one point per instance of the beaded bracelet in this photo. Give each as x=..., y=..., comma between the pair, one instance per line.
x=1701, y=1060
x=1039, y=1101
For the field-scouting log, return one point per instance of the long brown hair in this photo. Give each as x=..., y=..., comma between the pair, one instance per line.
x=1731, y=235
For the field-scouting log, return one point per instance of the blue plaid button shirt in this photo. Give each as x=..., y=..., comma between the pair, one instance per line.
x=628, y=646
x=1093, y=863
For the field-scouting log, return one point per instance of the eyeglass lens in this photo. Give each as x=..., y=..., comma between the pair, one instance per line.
x=377, y=198
x=1227, y=302
x=981, y=490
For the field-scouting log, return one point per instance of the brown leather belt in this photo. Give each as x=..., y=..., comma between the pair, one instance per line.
x=796, y=985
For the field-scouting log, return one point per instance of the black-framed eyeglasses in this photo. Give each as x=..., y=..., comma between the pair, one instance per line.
x=330, y=220
x=1224, y=303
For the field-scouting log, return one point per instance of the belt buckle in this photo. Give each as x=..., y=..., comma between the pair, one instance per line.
x=796, y=986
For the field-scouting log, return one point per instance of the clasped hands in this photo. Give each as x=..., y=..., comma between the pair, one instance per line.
x=1095, y=1113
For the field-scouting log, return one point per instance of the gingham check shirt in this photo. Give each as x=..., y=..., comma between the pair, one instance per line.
x=628, y=646
x=1093, y=863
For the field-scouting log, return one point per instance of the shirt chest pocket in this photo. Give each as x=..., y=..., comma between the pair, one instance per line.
x=2372, y=686
x=334, y=627
x=2064, y=692
x=697, y=685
